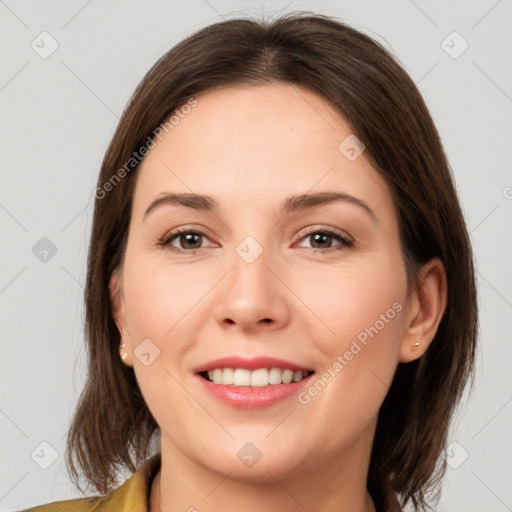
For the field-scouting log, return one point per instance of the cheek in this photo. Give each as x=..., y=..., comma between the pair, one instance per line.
x=357, y=328
x=346, y=300
x=160, y=307
x=162, y=300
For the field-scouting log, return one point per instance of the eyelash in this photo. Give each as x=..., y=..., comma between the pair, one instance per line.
x=169, y=237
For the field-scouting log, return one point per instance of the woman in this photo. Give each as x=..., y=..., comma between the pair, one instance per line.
x=281, y=304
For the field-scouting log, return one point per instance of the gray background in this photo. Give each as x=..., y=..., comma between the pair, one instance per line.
x=58, y=115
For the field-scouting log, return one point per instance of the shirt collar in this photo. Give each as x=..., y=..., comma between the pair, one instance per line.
x=134, y=494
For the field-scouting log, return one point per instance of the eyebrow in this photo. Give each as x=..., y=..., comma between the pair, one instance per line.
x=293, y=203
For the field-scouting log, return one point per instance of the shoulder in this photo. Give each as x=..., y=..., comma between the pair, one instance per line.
x=76, y=505
x=131, y=496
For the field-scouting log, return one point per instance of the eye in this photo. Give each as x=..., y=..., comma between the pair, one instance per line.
x=189, y=240
x=325, y=237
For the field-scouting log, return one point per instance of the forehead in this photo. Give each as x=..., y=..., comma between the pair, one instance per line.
x=251, y=145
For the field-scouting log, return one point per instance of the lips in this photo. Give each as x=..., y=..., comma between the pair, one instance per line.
x=254, y=386
x=251, y=364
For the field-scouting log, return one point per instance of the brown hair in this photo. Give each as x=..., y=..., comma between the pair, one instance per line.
x=387, y=113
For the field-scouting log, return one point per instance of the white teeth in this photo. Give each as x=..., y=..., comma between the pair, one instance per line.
x=274, y=376
x=227, y=376
x=242, y=377
x=297, y=376
x=256, y=378
x=287, y=376
x=259, y=378
x=217, y=376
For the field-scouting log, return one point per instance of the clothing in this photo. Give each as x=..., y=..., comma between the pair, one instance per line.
x=131, y=496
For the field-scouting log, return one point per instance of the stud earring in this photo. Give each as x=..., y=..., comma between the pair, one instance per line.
x=415, y=347
x=123, y=357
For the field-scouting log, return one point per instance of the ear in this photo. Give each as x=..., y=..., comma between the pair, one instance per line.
x=119, y=313
x=425, y=309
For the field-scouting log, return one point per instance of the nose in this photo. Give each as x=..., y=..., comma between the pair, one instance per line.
x=252, y=296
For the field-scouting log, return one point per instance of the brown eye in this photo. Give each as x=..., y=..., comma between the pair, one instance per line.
x=322, y=240
x=187, y=240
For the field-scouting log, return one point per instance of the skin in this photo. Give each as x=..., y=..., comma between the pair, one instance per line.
x=250, y=148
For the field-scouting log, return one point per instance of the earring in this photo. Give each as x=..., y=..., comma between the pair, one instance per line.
x=123, y=357
x=415, y=347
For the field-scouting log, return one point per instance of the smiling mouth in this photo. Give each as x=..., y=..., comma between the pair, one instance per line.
x=261, y=377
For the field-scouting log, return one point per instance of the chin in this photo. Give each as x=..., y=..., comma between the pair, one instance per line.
x=255, y=462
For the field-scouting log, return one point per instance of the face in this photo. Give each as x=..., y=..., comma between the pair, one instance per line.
x=319, y=286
